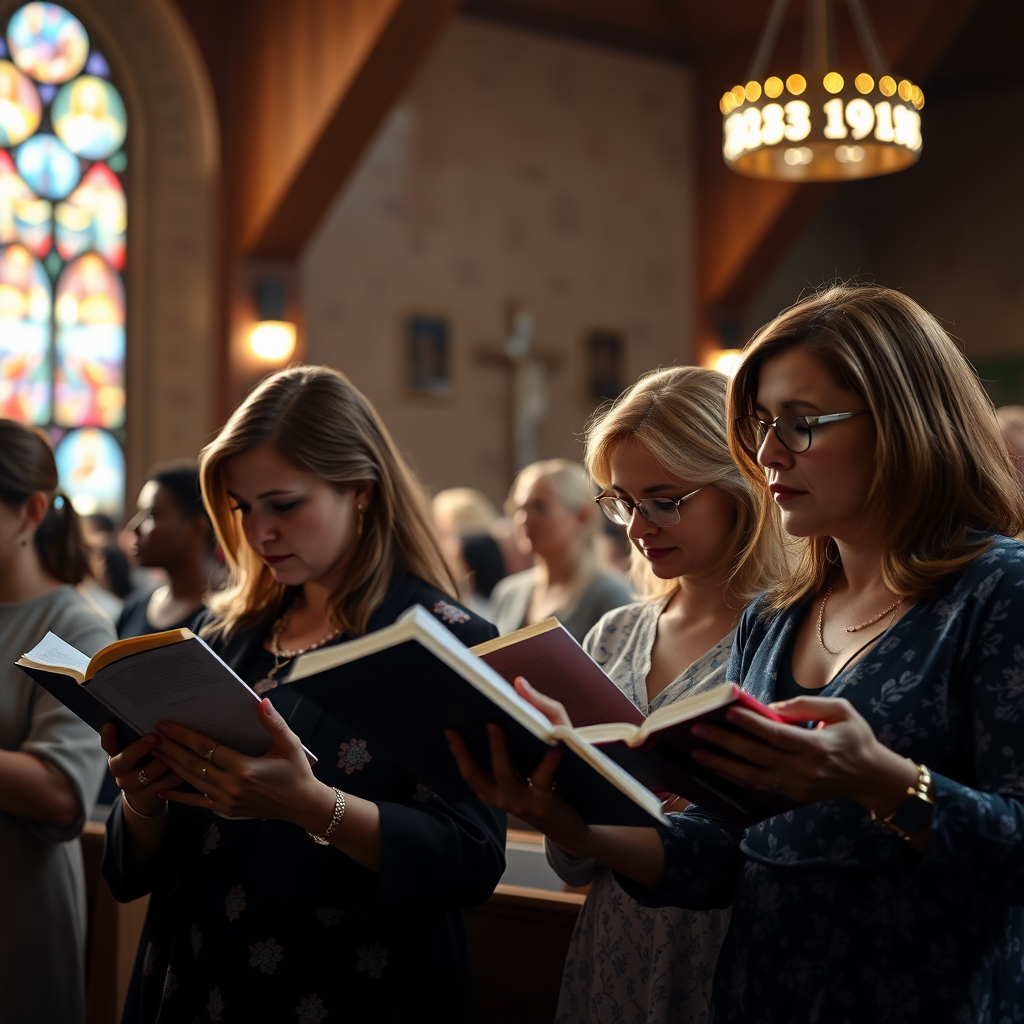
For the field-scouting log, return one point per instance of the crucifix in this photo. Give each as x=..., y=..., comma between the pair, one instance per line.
x=529, y=371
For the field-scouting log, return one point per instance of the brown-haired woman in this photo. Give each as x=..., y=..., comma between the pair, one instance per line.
x=894, y=891
x=50, y=762
x=326, y=535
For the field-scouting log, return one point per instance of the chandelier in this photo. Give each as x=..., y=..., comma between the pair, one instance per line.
x=822, y=123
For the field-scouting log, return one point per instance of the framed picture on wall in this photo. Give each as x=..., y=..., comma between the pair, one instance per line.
x=604, y=366
x=427, y=356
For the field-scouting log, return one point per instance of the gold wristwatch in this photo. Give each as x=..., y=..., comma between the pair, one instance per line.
x=914, y=812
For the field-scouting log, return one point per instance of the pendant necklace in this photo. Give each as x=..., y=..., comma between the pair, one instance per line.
x=283, y=657
x=893, y=608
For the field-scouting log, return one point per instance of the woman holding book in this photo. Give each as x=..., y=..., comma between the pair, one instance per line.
x=50, y=762
x=662, y=456
x=278, y=892
x=895, y=892
x=552, y=504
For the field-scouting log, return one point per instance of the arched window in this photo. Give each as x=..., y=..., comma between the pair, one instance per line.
x=63, y=221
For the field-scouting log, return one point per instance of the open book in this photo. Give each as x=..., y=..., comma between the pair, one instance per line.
x=403, y=685
x=657, y=753
x=549, y=657
x=171, y=676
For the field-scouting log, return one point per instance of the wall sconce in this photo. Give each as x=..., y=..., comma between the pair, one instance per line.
x=273, y=337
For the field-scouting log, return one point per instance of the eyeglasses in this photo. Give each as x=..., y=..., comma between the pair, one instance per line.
x=657, y=511
x=794, y=432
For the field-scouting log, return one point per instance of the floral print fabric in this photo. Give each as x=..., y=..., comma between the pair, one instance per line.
x=627, y=962
x=836, y=919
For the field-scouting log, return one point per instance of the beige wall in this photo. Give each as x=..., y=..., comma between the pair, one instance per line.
x=517, y=167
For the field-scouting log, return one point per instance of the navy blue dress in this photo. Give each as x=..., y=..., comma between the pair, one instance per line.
x=835, y=919
x=252, y=921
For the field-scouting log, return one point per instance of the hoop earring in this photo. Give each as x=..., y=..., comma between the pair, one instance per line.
x=829, y=548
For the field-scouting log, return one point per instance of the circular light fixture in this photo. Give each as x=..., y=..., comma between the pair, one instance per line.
x=829, y=124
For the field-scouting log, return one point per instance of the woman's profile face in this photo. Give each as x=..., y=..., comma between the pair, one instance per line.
x=304, y=529
x=695, y=547
x=544, y=520
x=823, y=491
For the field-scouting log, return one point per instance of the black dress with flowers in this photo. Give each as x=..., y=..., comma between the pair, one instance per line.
x=252, y=921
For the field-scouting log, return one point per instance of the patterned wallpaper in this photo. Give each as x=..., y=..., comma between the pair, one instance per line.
x=517, y=168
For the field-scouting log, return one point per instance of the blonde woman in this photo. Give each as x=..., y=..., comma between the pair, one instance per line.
x=894, y=892
x=662, y=457
x=552, y=504
x=278, y=892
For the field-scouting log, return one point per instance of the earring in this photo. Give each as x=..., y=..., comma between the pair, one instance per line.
x=829, y=548
x=359, y=525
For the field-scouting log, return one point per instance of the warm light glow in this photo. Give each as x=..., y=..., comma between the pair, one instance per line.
x=726, y=360
x=849, y=154
x=905, y=90
x=272, y=340
x=864, y=83
x=728, y=103
x=887, y=85
x=917, y=97
x=739, y=94
x=860, y=116
x=752, y=91
x=833, y=82
x=796, y=84
x=773, y=87
x=799, y=156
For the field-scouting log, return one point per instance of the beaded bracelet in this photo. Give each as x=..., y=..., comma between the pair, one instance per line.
x=339, y=812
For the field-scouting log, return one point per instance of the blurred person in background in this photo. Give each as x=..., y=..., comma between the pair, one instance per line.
x=1011, y=422
x=552, y=504
x=50, y=760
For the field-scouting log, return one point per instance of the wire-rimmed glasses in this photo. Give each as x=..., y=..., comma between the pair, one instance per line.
x=793, y=432
x=657, y=511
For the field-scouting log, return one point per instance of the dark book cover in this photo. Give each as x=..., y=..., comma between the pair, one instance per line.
x=403, y=698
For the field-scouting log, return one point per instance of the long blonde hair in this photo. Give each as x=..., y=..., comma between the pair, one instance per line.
x=320, y=423
x=941, y=468
x=678, y=415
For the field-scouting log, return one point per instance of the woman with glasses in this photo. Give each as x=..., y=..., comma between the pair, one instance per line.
x=895, y=892
x=278, y=892
x=552, y=504
x=661, y=455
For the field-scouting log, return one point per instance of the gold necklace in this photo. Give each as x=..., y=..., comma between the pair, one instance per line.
x=281, y=656
x=850, y=629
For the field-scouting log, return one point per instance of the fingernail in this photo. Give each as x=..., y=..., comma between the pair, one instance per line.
x=449, y=735
x=700, y=732
x=525, y=682
x=150, y=741
x=162, y=727
x=732, y=715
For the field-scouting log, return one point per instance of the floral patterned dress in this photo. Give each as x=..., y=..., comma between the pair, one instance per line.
x=835, y=919
x=252, y=921
x=627, y=962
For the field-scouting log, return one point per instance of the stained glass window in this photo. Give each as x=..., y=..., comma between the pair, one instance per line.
x=63, y=228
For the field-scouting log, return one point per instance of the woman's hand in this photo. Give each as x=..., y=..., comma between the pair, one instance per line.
x=547, y=706
x=841, y=757
x=143, y=786
x=279, y=785
x=533, y=800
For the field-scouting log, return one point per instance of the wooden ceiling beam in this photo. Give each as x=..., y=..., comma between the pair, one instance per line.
x=317, y=80
x=746, y=225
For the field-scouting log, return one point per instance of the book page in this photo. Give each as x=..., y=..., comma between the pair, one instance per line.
x=52, y=652
x=607, y=733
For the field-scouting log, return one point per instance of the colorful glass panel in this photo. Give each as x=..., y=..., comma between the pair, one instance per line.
x=48, y=42
x=89, y=312
x=93, y=217
x=25, y=303
x=49, y=168
x=89, y=117
x=20, y=109
x=90, y=466
x=23, y=217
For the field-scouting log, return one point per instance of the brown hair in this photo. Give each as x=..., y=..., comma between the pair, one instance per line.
x=678, y=415
x=320, y=423
x=27, y=467
x=941, y=468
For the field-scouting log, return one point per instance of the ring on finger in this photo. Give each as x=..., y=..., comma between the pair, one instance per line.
x=204, y=774
x=208, y=756
x=206, y=796
x=144, y=779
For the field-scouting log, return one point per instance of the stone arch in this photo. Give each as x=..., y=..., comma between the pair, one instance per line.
x=171, y=184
